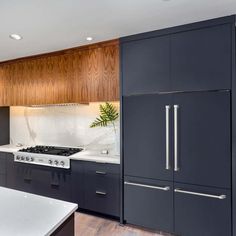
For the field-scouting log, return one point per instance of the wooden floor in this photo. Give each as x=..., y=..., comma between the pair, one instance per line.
x=88, y=225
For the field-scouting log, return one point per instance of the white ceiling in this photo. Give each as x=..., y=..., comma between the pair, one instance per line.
x=50, y=25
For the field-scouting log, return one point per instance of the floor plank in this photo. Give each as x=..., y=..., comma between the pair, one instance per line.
x=88, y=225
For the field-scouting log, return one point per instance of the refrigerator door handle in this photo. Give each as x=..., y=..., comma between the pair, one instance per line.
x=220, y=197
x=167, y=137
x=176, y=167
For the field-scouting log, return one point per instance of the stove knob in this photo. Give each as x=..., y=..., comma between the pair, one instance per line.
x=27, y=159
x=31, y=159
x=62, y=163
x=50, y=162
x=22, y=158
x=17, y=157
x=56, y=162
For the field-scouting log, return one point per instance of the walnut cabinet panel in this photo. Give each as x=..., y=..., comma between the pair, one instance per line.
x=84, y=74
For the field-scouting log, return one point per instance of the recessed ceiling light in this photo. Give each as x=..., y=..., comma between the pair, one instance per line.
x=15, y=36
x=89, y=38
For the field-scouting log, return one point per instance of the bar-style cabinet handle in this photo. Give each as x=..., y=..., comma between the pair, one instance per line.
x=166, y=188
x=101, y=173
x=220, y=197
x=101, y=193
x=176, y=107
x=167, y=137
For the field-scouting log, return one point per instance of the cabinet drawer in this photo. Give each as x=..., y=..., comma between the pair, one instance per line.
x=102, y=193
x=202, y=211
x=149, y=203
x=101, y=168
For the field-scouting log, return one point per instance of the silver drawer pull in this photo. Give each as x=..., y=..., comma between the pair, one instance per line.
x=101, y=173
x=167, y=137
x=101, y=193
x=221, y=197
x=166, y=188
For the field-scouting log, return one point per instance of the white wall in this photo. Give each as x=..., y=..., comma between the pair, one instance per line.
x=60, y=125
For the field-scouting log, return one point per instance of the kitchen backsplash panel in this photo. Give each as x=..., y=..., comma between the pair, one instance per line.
x=61, y=125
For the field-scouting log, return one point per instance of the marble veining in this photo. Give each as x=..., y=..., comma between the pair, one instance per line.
x=62, y=126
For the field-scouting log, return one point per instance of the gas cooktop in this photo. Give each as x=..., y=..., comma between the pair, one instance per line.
x=46, y=155
x=52, y=150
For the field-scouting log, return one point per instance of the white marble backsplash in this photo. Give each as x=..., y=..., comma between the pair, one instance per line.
x=62, y=126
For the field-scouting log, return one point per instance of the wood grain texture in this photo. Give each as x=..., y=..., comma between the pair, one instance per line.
x=86, y=74
x=95, y=226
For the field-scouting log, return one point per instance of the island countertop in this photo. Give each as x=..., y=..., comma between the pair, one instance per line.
x=24, y=214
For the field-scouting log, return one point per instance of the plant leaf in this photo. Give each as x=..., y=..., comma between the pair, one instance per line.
x=108, y=114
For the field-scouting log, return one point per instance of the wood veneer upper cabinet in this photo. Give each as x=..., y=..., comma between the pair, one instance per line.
x=96, y=74
x=4, y=97
x=85, y=74
x=40, y=81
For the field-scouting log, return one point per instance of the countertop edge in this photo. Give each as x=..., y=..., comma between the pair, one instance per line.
x=62, y=221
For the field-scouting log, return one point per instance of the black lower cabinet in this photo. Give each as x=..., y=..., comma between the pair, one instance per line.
x=2, y=169
x=18, y=175
x=202, y=211
x=51, y=182
x=3, y=180
x=102, y=193
x=93, y=186
x=149, y=203
x=77, y=183
x=96, y=187
x=45, y=181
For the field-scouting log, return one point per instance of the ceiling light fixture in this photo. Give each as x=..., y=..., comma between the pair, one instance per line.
x=89, y=38
x=15, y=36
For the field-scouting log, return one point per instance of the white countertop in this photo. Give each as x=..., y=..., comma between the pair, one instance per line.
x=86, y=155
x=24, y=214
x=10, y=148
x=95, y=156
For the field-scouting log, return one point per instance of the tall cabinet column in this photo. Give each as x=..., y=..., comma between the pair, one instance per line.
x=177, y=107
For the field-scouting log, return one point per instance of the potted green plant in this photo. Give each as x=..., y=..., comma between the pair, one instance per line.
x=108, y=116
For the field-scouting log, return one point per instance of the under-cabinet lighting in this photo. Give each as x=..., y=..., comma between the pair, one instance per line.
x=58, y=105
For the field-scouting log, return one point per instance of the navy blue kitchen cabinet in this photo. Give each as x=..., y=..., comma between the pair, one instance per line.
x=149, y=203
x=52, y=182
x=19, y=176
x=78, y=183
x=102, y=188
x=100, y=191
x=201, y=59
x=181, y=136
x=195, y=146
x=4, y=125
x=186, y=59
x=145, y=136
x=46, y=181
x=94, y=186
x=146, y=65
x=203, y=138
x=2, y=169
x=202, y=211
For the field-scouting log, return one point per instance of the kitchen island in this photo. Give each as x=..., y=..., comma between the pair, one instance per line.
x=24, y=214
